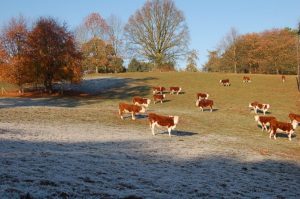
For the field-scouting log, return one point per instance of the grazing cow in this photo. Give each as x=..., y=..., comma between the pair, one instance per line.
x=283, y=78
x=205, y=103
x=264, y=121
x=158, y=97
x=141, y=101
x=246, y=79
x=168, y=122
x=130, y=108
x=158, y=89
x=295, y=117
x=225, y=82
x=176, y=90
x=202, y=96
x=283, y=127
x=258, y=106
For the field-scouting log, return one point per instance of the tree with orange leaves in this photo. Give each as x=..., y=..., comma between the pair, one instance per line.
x=52, y=54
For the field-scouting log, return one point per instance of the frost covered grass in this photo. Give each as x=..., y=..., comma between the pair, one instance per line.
x=75, y=147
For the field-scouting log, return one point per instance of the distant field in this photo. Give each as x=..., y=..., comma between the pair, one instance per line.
x=212, y=154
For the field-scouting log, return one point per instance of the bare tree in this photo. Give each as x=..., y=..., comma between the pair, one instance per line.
x=298, y=61
x=192, y=61
x=230, y=42
x=158, y=32
x=115, y=32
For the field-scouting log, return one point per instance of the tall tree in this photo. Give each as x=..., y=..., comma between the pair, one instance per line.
x=115, y=32
x=13, y=41
x=52, y=53
x=192, y=61
x=229, y=45
x=158, y=32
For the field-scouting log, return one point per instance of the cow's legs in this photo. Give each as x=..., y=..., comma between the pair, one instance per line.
x=133, y=115
x=121, y=114
x=211, y=109
x=271, y=133
x=161, y=101
x=152, y=128
x=201, y=108
x=290, y=136
x=169, y=130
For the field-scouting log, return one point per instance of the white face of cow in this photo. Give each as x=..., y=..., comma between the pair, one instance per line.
x=250, y=106
x=176, y=119
x=267, y=106
x=256, y=117
x=164, y=95
x=197, y=102
x=294, y=124
x=143, y=110
x=148, y=102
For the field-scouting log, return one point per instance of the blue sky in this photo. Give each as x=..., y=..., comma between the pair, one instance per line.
x=208, y=21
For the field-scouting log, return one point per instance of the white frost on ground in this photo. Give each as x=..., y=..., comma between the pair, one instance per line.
x=56, y=160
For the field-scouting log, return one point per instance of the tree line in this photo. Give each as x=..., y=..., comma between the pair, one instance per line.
x=269, y=52
x=46, y=51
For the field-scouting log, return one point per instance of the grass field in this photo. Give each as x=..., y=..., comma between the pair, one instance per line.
x=227, y=137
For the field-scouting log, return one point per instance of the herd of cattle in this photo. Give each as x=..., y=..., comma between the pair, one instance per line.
x=268, y=123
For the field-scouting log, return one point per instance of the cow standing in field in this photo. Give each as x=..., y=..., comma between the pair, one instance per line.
x=130, y=108
x=141, y=101
x=258, y=106
x=158, y=97
x=264, y=121
x=294, y=117
x=225, y=82
x=282, y=127
x=175, y=89
x=205, y=103
x=283, y=78
x=168, y=122
x=246, y=79
x=158, y=90
x=202, y=96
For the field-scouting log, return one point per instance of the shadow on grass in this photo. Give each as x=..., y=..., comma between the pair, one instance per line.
x=179, y=133
x=95, y=89
x=117, y=169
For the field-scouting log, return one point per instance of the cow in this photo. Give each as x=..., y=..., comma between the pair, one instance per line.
x=141, y=101
x=158, y=89
x=283, y=127
x=294, y=117
x=202, y=96
x=264, y=121
x=258, y=106
x=130, y=108
x=283, y=78
x=225, y=82
x=246, y=79
x=158, y=97
x=205, y=103
x=176, y=90
x=168, y=122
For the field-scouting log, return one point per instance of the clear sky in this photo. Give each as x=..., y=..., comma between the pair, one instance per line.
x=208, y=21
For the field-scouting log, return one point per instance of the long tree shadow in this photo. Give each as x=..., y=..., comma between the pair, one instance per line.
x=118, y=169
x=95, y=89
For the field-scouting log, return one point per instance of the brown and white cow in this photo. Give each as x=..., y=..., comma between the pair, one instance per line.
x=141, y=101
x=283, y=78
x=202, y=96
x=246, y=79
x=158, y=97
x=225, y=82
x=264, y=121
x=282, y=127
x=175, y=89
x=258, y=106
x=205, y=103
x=158, y=89
x=168, y=122
x=295, y=117
x=130, y=108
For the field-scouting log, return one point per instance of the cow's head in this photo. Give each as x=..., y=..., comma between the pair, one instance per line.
x=176, y=119
x=143, y=109
x=294, y=124
x=220, y=81
x=267, y=106
x=197, y=102
x=250, y=105
x=256, y=117
x=148, y=102
x=164, y=95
